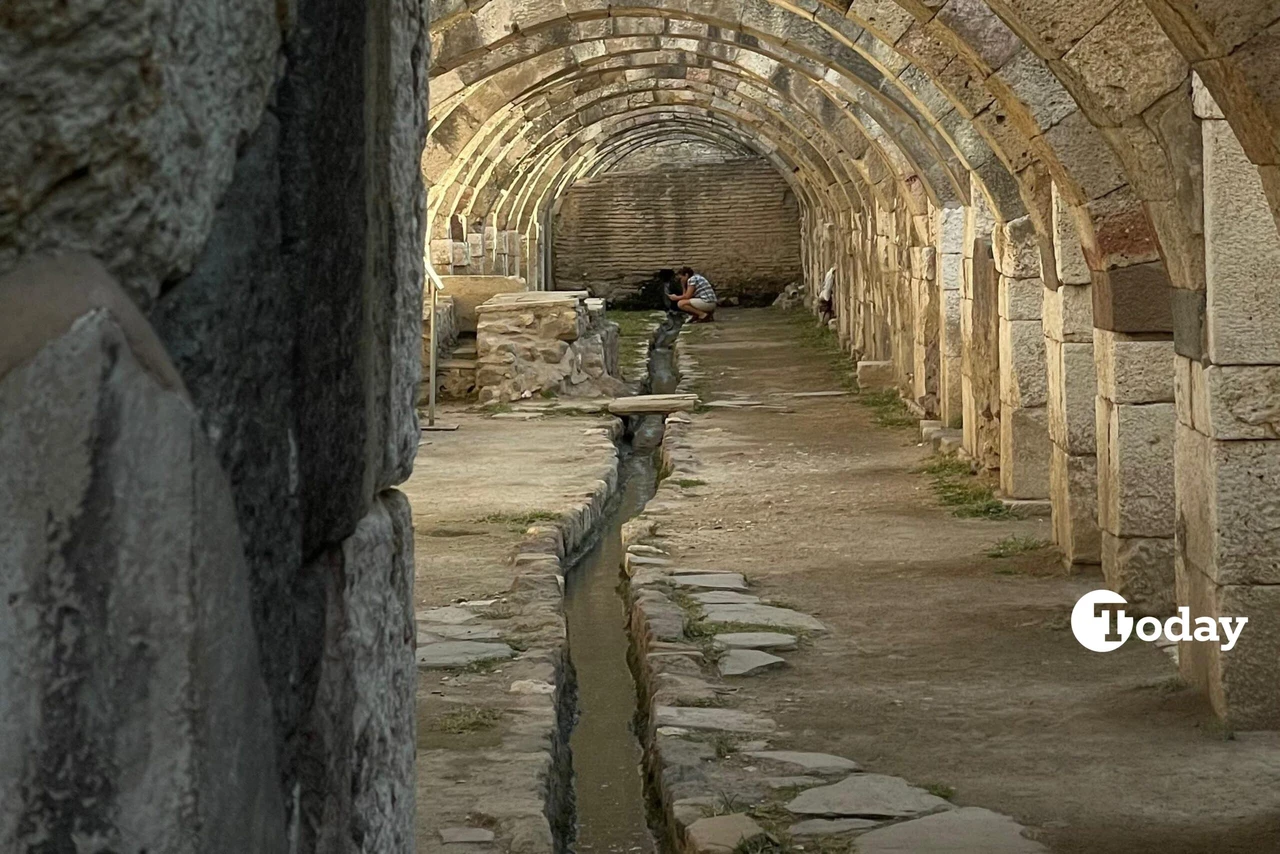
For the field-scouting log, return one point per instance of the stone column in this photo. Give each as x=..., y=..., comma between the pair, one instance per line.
x=980, y=339
x=1228, y=436
x=1024, y=417
x=924, y=292
x=1067, y=318
x=949, y=231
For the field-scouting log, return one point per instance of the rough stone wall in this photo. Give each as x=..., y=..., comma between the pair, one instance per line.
x=736, y=223
x=249, y=172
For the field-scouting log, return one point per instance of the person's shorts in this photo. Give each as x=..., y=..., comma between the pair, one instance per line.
x=702, y=304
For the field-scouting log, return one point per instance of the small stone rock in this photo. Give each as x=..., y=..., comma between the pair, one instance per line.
x=725, y=597
x=763, y=615
x=721, y=834
x=954, y=832
x=531, y=686
x=451, y=615
x=745, y=662
x=460, y=653
x=831, y=826
x=815, y=762
x=755, y=640
x=868, y=796
x=728, y=720
x=711, y=580
x=461, y=632
x=450, y=835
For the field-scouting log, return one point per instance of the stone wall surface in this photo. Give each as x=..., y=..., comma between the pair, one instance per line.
x=250, y=173
x=735, y=223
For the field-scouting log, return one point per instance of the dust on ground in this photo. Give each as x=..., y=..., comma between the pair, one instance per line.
x=944, y=665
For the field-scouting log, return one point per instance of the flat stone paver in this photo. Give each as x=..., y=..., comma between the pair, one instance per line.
x=867, y=796
x=746, y=662
x=817, y=762
x=722, y=834
x=755, y=640
x=728, y=720
x=449, y=835
x=711, y=580
x=461, y=653
x=460, y=632
x=649, y=404
x=962, y=831
x=763, y=615
x=831, y=826
x=451, y=615
x=725, y=597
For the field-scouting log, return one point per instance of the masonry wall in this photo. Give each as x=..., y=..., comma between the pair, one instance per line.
x=211, y=305
x=737, y=223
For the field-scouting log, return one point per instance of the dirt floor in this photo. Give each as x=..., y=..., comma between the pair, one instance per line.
x=944, y=665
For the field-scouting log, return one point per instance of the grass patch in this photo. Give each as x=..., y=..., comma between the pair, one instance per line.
x=967, y=494
x=1016, y=545
x=471, y=719
x=887, y=408
x=689, y=482
x=940, y=790
x=725, y=745
x=519, y=521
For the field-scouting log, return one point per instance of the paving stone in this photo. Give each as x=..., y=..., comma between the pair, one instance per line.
x=449, y=835
x=461, y=653
x=645, y=560
x=450, y=615
x=818, y=394
x=641, y=549
x=459, y=632
x=830, y=826
x=747, y=662
x=653, y=403
x=531, y=686
x=792, y=782
x=726, y=597
x=816, y=762
x=722, y=834
x=755, y=640
x=763, y=615
x=867, y=796
x=960, y=831
x=711, y=581
x=729, y=720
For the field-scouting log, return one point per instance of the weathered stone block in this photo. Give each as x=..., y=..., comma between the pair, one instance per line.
x=1023, y=380
x=1072, y=391
x=1068, y=255
x=1241, y=683
x=1135, y=469
x=1073, y=490
x=1243, y=401
x=364, y=714
x=1132, y=370
x=872, y=375
x=1021, y=299
x=1141, y=570
x=1024, y=452
x=952, y=272
x=951, y=230
x=128, y=600
x=1242, y=255
x=461, y=254
x=1133, y=299
x=1067, y=313
x=1017, y=252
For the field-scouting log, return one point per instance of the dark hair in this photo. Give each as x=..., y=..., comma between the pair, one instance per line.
x=686, y=271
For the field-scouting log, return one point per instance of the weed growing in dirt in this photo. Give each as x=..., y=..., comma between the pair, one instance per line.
x=1016, y=545
x=471, y=719
x=724, y=744
x=965, y=493
x=519, y=521
x=888, y=408
x=940, y=790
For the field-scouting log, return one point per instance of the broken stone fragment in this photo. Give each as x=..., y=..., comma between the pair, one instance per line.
x=868, y=796
x=831, y=826
x=755, y=640
x=710, y=580
x=967, y=829
x=725, y=597
x=460, y=653
x=763, y=615
x=818, y=763
x=722, y=834
x=728, y=720
x=747, y=662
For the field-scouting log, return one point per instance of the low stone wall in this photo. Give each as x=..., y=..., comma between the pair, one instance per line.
x=447, y=329
x=469, y=292
x=551, y=344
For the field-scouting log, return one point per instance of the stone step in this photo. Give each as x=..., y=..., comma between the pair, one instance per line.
x=653, y=404
x=464, y=351
x=456, y=365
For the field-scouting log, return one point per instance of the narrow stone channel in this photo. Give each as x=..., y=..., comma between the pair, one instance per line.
x=607, y=757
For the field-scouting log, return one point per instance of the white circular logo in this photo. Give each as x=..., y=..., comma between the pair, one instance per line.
x=1099, y=621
